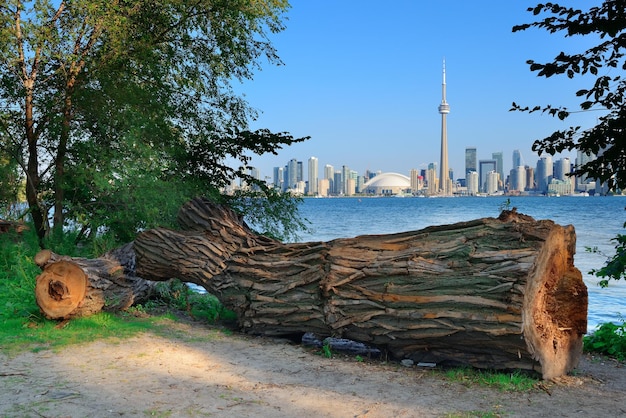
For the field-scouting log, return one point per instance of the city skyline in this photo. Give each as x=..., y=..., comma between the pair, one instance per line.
x=366, y=97
x=482, y=177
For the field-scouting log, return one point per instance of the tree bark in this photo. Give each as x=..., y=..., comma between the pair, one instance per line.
x=491, y=293
x=73, y=287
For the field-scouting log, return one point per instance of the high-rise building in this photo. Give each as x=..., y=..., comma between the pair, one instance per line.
x=499, y=163
x=431, y=179
x=472, y=183
x=583, y=182
x=544, y=173
x=530, y=178
x=278, y=177
x=345, y=176
x=300, y=171
x=493, y=179
x=313, y=176
x=337, y=183
x=517, y=159
x=561, y=168
x=518, y=179
x=292, y=173
x=416, y=181
x=324, y=187
x=445, y=183
x=329, y=174
x=484, y=167
x=470, y=161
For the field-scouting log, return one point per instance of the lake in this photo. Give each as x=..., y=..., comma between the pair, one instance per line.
x=596, y=219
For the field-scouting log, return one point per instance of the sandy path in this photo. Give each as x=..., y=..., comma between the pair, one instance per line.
x=204, y=372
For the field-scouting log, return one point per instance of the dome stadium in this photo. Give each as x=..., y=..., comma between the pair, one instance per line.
x=388, y=184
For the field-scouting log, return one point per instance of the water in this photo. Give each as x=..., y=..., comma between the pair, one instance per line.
x=596, y=219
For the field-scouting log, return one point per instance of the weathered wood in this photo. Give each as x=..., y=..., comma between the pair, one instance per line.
x=492, y=293
x=6, y=226
x=71, y=287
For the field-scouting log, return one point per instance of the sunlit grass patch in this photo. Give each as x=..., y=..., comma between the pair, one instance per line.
x=514, y=381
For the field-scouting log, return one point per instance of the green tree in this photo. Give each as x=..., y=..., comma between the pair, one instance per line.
x=605, y=63
x=9, y=182
x=116, y=104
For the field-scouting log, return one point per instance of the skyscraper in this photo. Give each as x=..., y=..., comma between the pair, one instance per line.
x=499, y=163
x=517, y=159
x=278, y=177
x=484, y=168
x=544, y=173
x=562, y=168
x=292, y=174
x=470, y=161
x=582, y=181
x=444, y=109
x=313, y=175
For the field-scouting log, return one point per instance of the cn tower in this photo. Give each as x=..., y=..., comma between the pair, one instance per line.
x=444, y=109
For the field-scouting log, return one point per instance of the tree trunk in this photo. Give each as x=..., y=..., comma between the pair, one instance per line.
x=492, y=293
x=72, y=287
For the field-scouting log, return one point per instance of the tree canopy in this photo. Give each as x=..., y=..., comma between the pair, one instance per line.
x=606, y=63
x=109, y=105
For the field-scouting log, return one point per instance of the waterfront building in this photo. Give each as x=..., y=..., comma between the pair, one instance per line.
x=387, y=184
x=350, y=187
x=329, y=172
x=583, y=182
x=300, y=171
x=292, y=173
x=518, y=179
x=497, y=156
x=544, y=173
x=298, y=189
x=417, y=181
x=255, y=174
x=491, y=185
x=485, y=167
x=431, y=181
x=345, y=176
x=324, y=187
x=517, y=159
x=313, y=176
x=446, y=184
x=472, y=183
x=279, y=177
x=560, y=187
x=562, y=168
x=530, y=178
x=470, y=161
x=337, y=183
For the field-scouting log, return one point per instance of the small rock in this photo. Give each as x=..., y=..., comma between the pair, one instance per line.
x=407, y=362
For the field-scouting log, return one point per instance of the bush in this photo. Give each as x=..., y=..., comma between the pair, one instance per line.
x=608, y=339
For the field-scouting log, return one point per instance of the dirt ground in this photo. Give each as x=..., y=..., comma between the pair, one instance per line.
x=201, y=371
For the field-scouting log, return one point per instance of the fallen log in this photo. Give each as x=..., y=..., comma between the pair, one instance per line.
x=72, y=287
x=6, y=226
x=491, y=293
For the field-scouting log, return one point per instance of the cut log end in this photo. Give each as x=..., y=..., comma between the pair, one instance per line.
x=60, y=289
x=556, y=307
x=42, y=257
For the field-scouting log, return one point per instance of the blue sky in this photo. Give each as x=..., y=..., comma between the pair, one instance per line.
x=363, y=79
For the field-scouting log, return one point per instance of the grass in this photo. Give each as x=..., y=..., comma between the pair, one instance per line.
x=515, y=381
x=23, y=327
